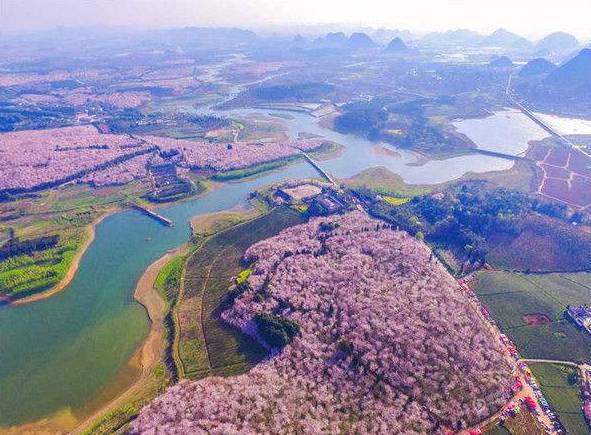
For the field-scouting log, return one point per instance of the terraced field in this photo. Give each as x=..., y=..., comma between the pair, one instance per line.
x=206, y=344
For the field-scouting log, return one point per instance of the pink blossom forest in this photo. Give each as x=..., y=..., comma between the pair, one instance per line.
x=386, y=344
x=42, y=158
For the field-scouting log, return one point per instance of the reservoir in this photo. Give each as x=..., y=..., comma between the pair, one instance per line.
x=507, y=132
x=58, y=354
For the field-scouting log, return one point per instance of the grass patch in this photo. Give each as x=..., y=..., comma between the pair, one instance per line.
x=243, y=275
x=254, y=170
x=511, y=296
x=395, y=201
x=386, y=183
x=65, y=211
x=169, y=279
x=556, y=382
x=208, y=277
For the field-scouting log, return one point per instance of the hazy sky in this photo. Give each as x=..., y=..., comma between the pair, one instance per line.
x=529, y=17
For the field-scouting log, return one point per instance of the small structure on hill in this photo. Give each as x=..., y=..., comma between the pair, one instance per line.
x=167, y=186
x=581, y=316
x=301, y=192
x=329, y=202
x=163, y=172
x=318, y=199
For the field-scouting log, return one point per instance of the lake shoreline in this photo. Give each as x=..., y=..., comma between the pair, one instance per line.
x=72, y=269
x=151, y=349
x=144, y=359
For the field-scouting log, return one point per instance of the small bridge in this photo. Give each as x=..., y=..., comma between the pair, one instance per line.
x=531, y=115
x=319, y=168
x=498, y=154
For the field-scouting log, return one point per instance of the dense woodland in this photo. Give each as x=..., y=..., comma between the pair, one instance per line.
x=480, y=222
x=14, y=247
x=406, y=124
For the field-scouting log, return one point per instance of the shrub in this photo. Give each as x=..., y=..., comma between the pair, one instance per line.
x=277, y=331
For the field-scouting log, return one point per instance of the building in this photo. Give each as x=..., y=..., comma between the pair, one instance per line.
x=329, y=202
x=581, y=316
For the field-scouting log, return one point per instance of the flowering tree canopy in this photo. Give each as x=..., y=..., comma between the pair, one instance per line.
x=381, y=340
x=35, y=159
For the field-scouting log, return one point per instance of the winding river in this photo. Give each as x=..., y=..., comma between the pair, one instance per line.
x=61, y=353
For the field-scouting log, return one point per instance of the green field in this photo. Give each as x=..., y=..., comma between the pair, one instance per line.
x=510, y=296
x=562, y=392
x=168, y=280
x=385, y=182
x=207, y=344
x=23, y=275
x=253, y=170
x=66, y=212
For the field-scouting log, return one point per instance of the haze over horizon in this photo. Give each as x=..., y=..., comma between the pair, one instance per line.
x=527, y=17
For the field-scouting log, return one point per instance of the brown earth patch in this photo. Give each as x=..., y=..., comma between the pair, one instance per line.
x=537, y=319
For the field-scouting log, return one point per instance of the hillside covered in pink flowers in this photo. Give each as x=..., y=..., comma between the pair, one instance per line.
x=35, y=159
x=371, y=335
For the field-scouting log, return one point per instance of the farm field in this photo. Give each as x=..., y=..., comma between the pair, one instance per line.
x=510, y=297
x=207, y=345
x=66, y=213
x=26, y=274
x=561, y=388
x=565, y=174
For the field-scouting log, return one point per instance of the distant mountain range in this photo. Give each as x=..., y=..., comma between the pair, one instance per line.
x=557, y=42
x=554, y=46
x=361, y=40
x=384, y=36
x=537, y=67
x=397, y=45
x=574, y=75
x=504, y=38
x=339, y=40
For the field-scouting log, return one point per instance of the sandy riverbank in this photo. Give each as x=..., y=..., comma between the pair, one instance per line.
x=150, y=353
x=71, y=273
x=143, y=361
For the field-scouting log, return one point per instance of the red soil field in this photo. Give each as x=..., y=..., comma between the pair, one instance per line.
x=536, y=319
x=554, y=172
x=556, y=188
x=580, y=163
x=564, y=174
x=580, y=191
x=558, y=157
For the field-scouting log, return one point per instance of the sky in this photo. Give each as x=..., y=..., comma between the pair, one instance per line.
x=532, y=18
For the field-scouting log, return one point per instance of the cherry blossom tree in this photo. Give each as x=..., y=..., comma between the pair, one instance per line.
x=386, y=343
